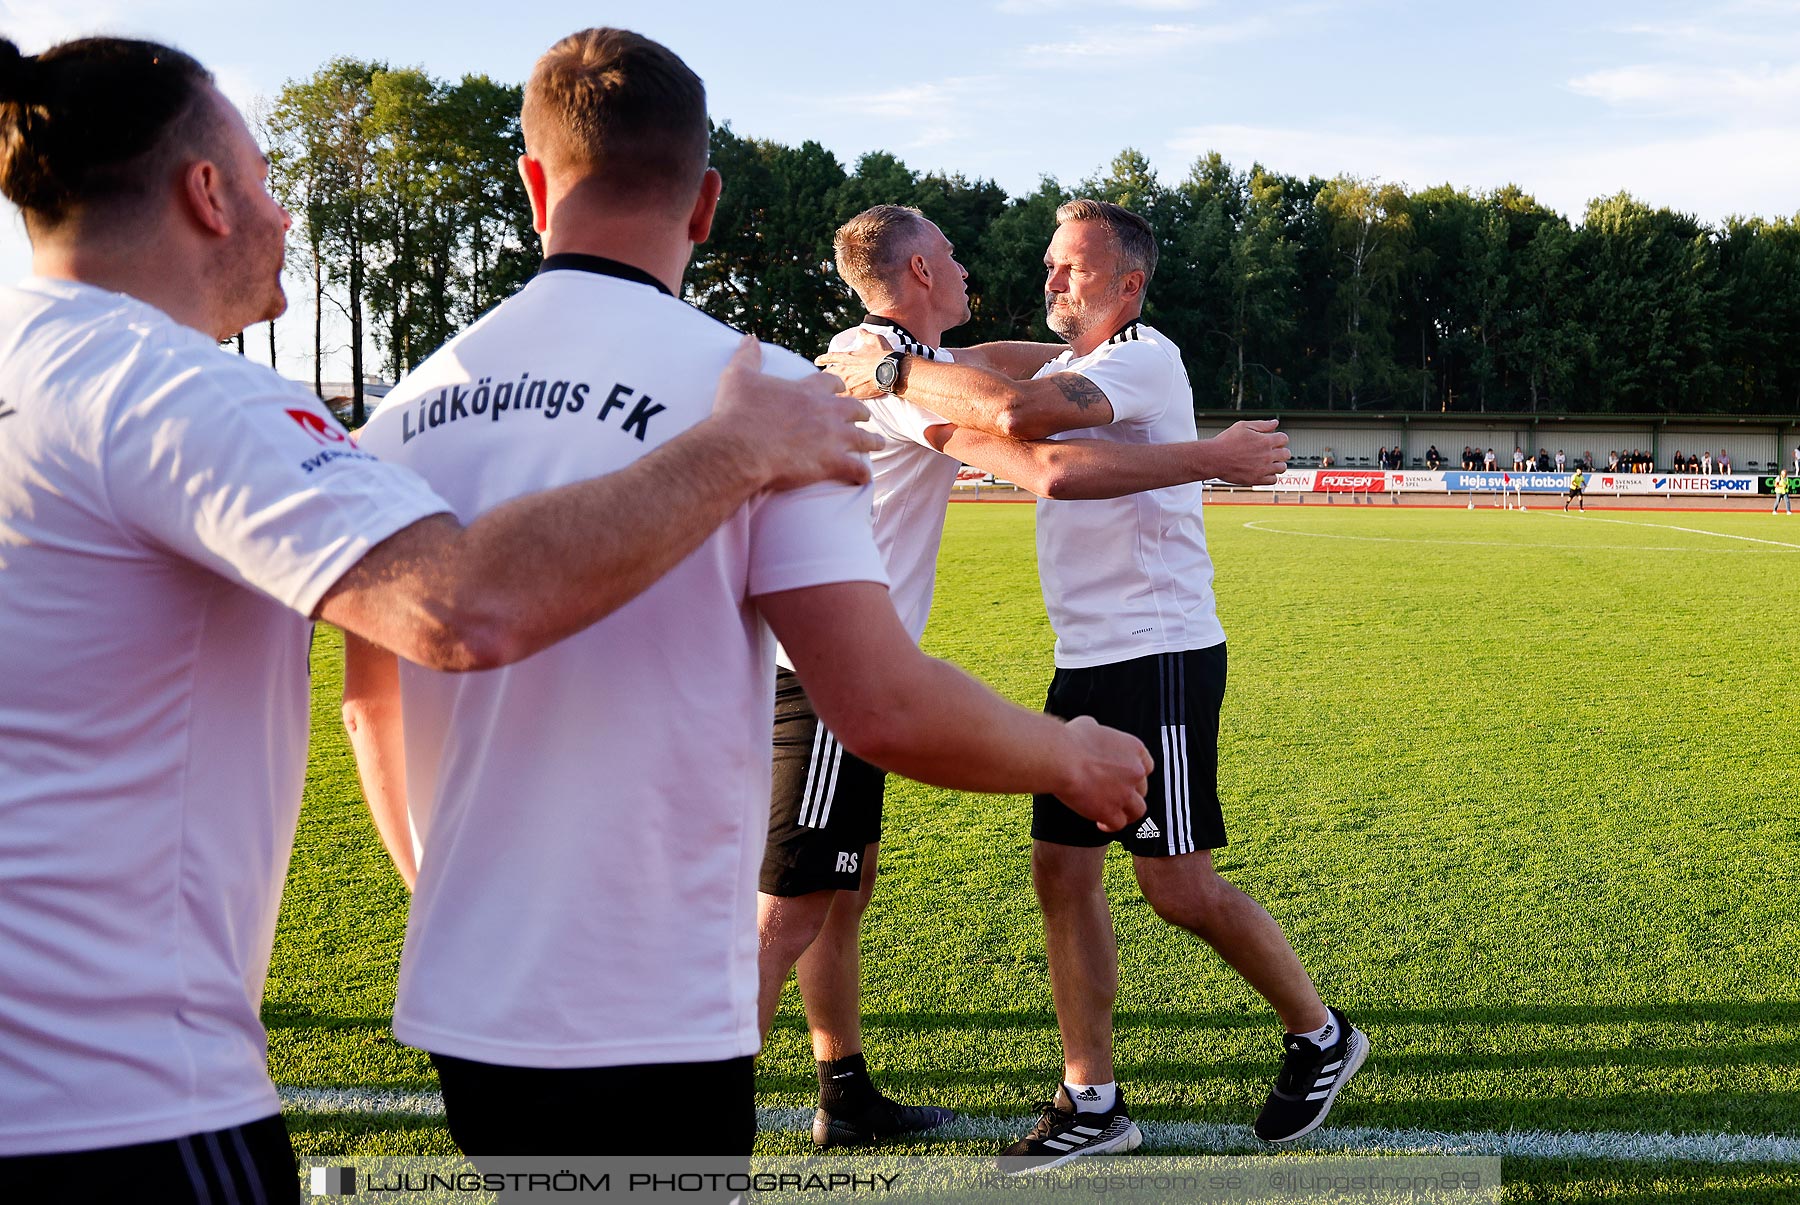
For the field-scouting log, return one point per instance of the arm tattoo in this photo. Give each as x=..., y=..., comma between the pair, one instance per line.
x=1078, y=389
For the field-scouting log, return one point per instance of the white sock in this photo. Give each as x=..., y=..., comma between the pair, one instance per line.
x=1093, y=1098
x=1325, y=1034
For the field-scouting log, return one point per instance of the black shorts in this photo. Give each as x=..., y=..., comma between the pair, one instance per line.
x=249, y=1162
x=826, y=807
x=1575, y=491
x=689, y=1108
x=1170, y=701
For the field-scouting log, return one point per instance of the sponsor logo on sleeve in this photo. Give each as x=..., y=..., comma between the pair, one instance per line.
x=322, y=429
x=335, y=443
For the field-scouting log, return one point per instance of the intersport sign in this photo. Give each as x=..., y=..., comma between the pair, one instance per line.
x=1693, y=483
x=1672, y=483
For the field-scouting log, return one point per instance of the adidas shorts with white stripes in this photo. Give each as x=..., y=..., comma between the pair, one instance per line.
x=1170, y=701
x=827, y=802
x=253, y=1162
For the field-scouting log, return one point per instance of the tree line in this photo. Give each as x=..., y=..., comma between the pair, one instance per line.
x=410, y=219
x=1283, y=292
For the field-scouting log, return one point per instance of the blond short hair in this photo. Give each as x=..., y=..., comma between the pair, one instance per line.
x=872, y=247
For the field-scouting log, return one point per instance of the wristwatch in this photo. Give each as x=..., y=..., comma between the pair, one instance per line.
x=887, y=373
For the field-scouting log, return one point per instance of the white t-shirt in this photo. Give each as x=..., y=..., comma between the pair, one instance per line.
x=912, y=482
x=1129, y=577
x=170, y=514
x=592, y=818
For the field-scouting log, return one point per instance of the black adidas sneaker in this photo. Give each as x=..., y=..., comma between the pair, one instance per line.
x=883, y=1119
x=1062, y=1135
x=1310, y=1080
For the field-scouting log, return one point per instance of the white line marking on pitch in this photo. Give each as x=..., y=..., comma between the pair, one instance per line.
x=1205, y=1138
x=1261, y=525
x=1697, y=531
x=1258, y=525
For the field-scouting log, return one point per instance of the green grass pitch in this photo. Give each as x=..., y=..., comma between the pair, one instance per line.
x=1520, y=787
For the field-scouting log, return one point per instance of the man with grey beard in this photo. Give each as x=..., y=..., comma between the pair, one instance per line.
x=1128, y=585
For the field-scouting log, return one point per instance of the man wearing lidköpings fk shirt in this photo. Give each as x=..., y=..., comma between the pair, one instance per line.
x=581, y=953
x=1128, y=584
x=173, y=518
x=820, y=868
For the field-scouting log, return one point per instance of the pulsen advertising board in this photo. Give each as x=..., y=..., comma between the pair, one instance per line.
x=1350, y=481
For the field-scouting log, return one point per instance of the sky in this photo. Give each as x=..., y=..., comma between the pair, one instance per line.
x=1692, y=106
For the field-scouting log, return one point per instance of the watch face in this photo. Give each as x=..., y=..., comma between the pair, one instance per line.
x=887, y=372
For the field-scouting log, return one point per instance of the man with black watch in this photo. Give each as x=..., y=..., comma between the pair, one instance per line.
x=820, y=867
x=888, y=373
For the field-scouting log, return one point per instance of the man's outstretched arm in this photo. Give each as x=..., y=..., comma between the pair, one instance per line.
x=892, y=705
x=1015, y=359
x=1246, y=453
x=980, y=398
x=541, y=567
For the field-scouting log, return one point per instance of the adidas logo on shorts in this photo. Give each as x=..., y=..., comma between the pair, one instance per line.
x=1148, y=828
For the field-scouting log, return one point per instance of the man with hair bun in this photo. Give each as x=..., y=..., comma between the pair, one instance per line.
x=820, y=868
x=581, y=952
x=173, y=519
x=1128, y=585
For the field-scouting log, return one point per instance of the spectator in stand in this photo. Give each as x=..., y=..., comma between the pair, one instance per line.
x=1612, y=462
x=1706, y=463
x=1543, y=460
x=1559, y=460
x=1433, y=461
x=1723, y=464
x=1469, y=458
x=1518, y=460
x=1326, y=460
x=1797, y=459
x=1491, y=462
x=1381, y=458
x=1693, y=463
